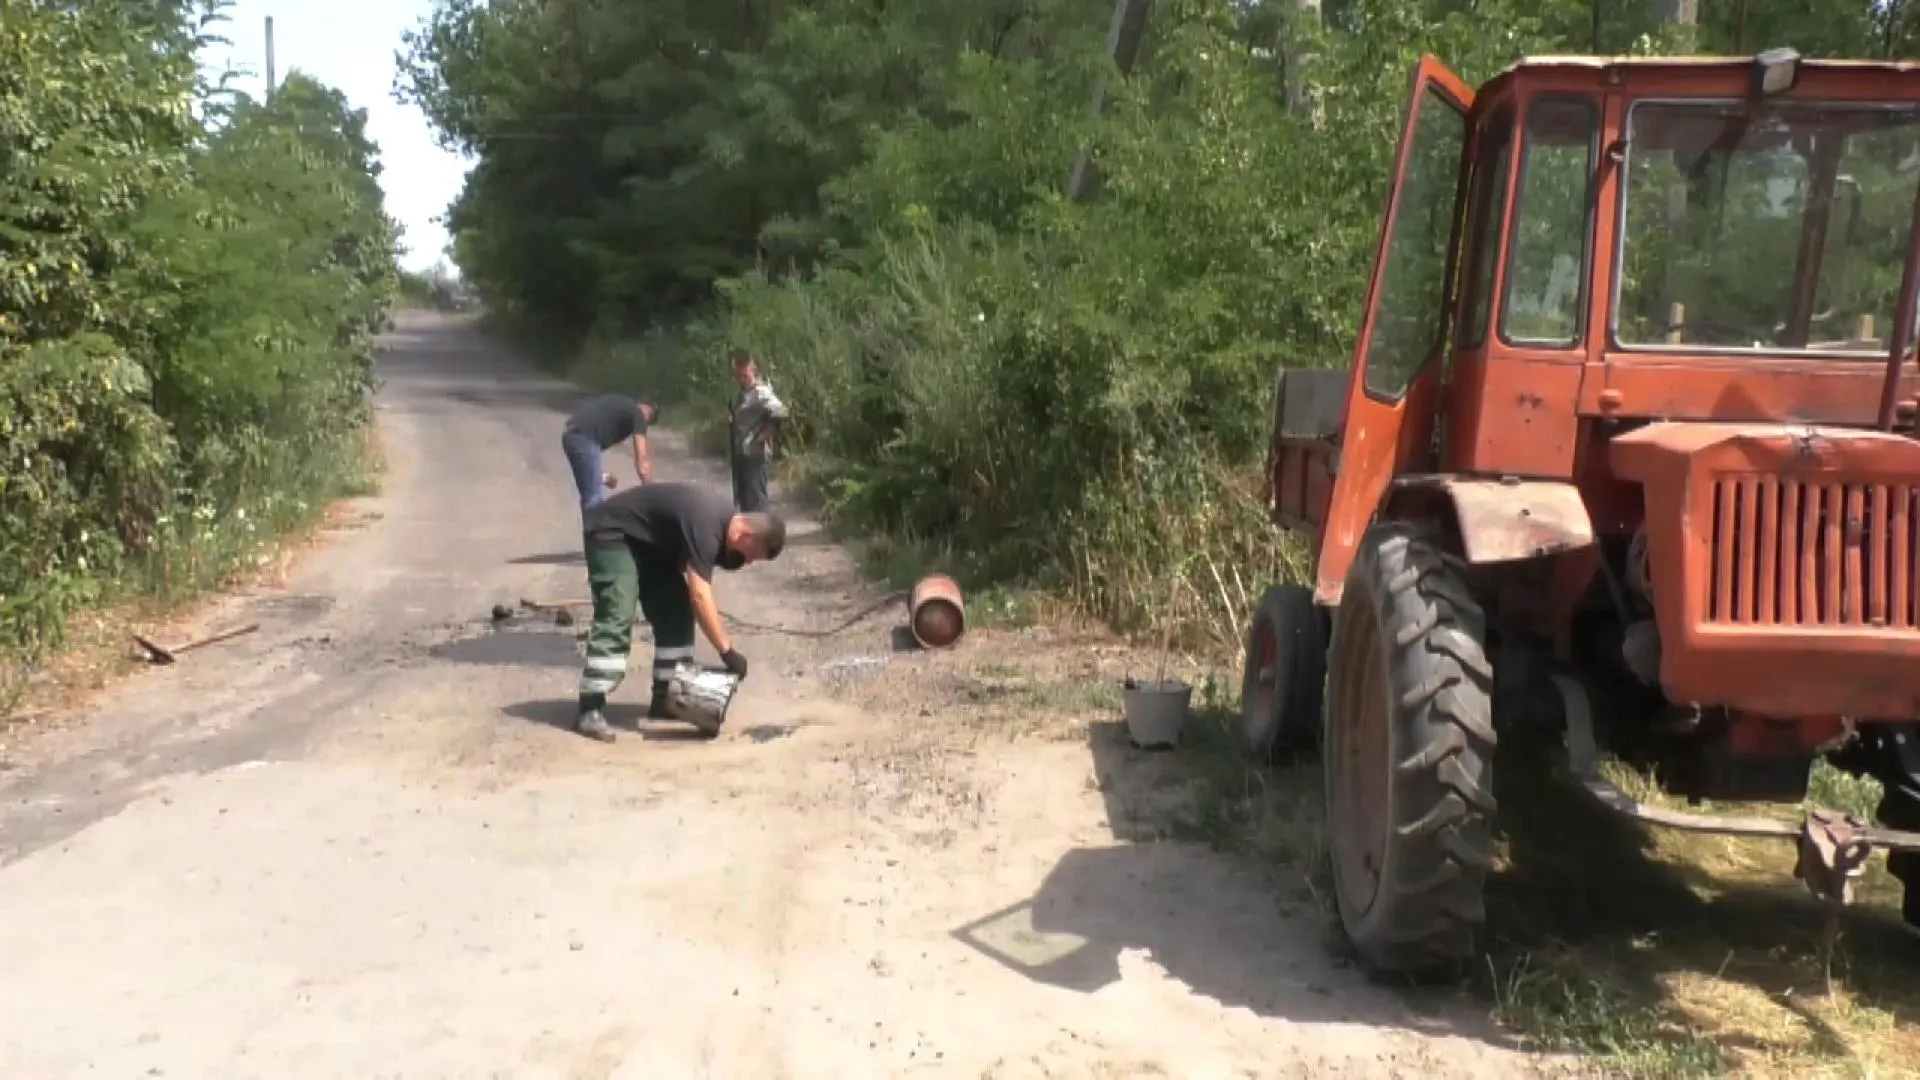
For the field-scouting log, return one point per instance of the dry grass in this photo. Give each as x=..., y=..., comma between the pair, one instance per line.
x=1679, y=955
x=1653, y=953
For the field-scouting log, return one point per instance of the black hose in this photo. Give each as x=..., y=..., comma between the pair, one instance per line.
x=842, y=626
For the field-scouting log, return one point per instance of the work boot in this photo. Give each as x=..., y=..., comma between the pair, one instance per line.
x=658, y=708
x=594, y=726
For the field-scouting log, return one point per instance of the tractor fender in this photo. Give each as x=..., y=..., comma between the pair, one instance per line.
x=1499, y=519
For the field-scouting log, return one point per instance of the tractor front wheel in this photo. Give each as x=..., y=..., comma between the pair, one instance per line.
x=1409, y=744
x=1285, y=677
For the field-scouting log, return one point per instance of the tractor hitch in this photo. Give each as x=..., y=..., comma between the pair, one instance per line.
x=1833, y=854
x=1833, y=847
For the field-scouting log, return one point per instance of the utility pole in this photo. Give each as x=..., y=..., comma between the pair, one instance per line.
x=270, y=83
x=1123, y=46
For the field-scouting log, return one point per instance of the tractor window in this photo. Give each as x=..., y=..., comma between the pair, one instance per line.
x=1491, y=168
x=1547, y=278
x=1407, y=313
x=1780, y=227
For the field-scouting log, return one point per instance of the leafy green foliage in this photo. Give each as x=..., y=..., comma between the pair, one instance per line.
x=188, y=287
x=869, y=197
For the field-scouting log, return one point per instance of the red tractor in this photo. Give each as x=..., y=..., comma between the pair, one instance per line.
x=1625, y=462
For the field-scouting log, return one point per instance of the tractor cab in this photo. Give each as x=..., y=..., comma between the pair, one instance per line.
x=1629, y=420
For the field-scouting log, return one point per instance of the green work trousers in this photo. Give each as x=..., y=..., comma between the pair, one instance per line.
x=620, y=576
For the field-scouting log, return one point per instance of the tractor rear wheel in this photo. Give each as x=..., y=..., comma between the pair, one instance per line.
x=1409, y=745
x=1285, y=678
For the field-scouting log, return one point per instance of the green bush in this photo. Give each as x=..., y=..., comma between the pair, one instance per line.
x=189, y=282
x=1078, y=394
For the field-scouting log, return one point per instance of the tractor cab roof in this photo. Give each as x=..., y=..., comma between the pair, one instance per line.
x=1846, y=78
x=1604, y=63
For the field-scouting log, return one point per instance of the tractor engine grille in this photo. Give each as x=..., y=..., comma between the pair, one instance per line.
x=1793, y=553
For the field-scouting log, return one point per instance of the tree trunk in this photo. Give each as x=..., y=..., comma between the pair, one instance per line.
x=1684, y=17
x=1306, y=27
x=1123, y=46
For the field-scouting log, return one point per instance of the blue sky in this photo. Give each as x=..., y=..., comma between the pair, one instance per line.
x=349, y=45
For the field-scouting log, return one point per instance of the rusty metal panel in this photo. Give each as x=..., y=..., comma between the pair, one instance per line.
x=1782, y=549
x=1312, y=405
x=1786, y=552
x=1309, y=409
x=1906, y=606
x=1508, y=520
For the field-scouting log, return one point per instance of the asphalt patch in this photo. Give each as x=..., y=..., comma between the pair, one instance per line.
x=512, y=646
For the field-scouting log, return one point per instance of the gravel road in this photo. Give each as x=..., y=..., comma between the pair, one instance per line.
x=360, y=842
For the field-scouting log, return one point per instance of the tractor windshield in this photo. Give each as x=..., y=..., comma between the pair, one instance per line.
x=1762, y=227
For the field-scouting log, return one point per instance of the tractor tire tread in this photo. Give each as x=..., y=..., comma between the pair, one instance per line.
x=1295, y=730
x=1429, y=904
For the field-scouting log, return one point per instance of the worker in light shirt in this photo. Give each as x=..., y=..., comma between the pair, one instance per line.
x=753, y=418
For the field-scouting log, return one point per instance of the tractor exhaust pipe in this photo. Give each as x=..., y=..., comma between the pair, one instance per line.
x=1903, y=316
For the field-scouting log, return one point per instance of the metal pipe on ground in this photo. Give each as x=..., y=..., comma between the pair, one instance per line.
x=936, y=616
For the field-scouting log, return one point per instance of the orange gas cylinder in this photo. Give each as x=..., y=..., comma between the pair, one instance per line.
x=935, y=614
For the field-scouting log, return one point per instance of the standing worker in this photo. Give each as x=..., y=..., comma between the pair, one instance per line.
x=658, y=545
x=598, y=425
x=752, y=420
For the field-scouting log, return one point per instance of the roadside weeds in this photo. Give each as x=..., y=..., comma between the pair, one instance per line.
x=173, y=586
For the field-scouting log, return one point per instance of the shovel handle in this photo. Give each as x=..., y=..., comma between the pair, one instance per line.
x=552, y=605
x=215, y=639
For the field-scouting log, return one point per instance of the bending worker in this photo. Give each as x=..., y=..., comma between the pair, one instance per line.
x=658, y=544
x=753, y=417
x=598, y=425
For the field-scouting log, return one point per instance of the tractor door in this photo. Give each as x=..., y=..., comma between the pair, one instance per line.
x=1395, y=386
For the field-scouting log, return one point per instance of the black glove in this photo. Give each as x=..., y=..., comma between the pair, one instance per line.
x=735, y=663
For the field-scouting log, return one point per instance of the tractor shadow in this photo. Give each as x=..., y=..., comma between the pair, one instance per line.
x=1238, y=925
x=1602, y=941
x=1606, y=934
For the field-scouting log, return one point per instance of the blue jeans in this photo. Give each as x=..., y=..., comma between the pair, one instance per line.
x=583, y=455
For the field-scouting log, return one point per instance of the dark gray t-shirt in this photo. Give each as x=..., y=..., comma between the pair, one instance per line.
x=684, y=524
x=608, y=419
